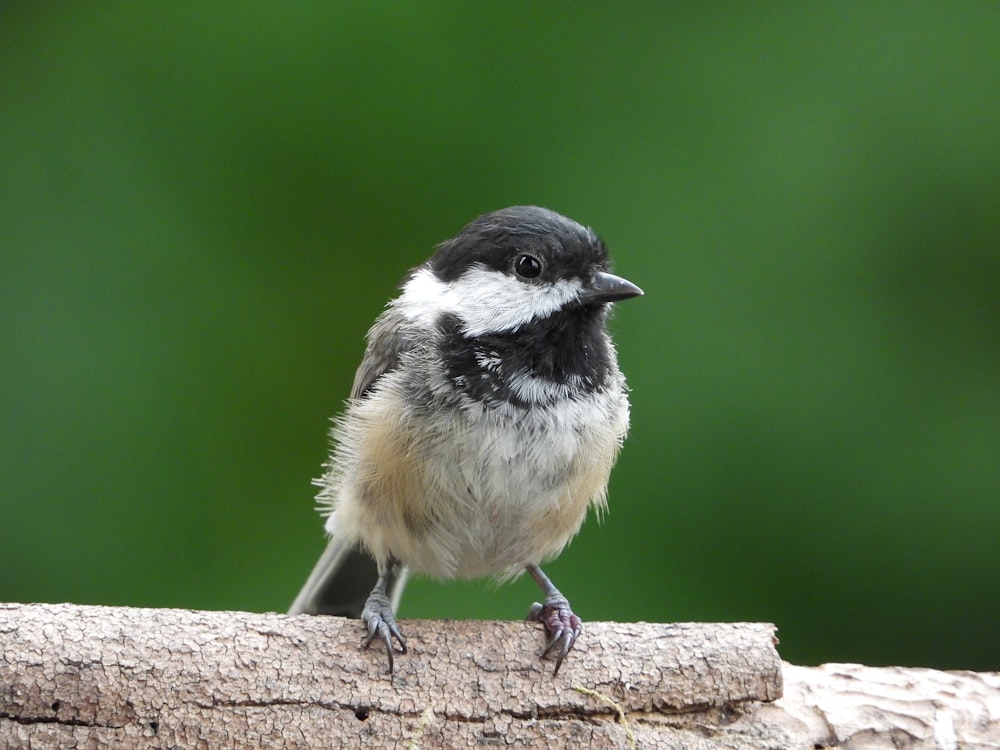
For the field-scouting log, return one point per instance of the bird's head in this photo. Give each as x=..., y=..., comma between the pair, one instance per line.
x=511, y=267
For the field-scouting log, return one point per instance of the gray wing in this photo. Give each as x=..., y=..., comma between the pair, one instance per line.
x=345, y=574
x=388, y=340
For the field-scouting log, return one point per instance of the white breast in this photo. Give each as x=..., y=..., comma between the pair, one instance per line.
x=475, y=491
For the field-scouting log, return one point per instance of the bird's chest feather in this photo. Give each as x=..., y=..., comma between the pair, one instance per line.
x=512, y=486
x=479, y=468
x=500, y=487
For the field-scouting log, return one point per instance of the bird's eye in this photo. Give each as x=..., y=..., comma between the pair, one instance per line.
x=527, y=266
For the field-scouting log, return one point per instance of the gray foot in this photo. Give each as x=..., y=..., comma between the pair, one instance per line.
x=562, y=626
x=381, y=623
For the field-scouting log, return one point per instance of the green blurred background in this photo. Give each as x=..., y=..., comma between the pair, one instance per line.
x=204, y=205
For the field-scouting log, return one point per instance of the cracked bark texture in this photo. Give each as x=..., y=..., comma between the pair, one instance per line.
x=76, y=676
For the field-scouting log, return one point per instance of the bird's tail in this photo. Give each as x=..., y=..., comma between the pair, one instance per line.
x=341, y=581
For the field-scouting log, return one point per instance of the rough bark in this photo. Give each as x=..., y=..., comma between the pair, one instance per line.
x=73, y=676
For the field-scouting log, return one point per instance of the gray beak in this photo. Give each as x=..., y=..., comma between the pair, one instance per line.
x=606, y=287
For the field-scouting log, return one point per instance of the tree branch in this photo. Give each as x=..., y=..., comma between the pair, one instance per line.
x=105, y=676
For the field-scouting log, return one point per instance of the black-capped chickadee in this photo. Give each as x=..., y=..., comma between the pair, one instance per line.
x=483, y=423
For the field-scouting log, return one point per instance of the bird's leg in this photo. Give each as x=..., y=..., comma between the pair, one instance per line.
x=378, y=616
x=562, y=626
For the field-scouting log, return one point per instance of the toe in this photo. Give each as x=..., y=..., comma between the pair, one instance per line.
x=380, y=622
x=561, y=624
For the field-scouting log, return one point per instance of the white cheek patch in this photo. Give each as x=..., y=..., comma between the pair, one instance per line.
x=486, y=301
x=424, y=298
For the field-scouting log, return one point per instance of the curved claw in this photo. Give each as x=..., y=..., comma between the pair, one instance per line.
x=381, y=623
x=561, y=624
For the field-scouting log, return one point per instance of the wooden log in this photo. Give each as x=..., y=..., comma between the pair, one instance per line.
x=135, y=678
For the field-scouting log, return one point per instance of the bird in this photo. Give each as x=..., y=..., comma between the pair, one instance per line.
x=482, y=425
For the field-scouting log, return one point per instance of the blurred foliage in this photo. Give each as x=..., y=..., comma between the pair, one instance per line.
x=203, y=207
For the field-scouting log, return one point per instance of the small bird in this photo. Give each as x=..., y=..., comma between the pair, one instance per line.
x=483, y=423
